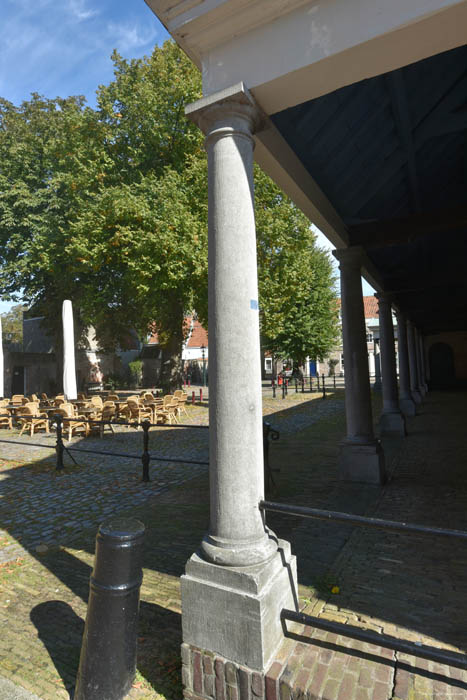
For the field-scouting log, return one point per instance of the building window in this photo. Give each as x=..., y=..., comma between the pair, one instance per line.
x=342, y=360
x=369, y=337
x=268, y=364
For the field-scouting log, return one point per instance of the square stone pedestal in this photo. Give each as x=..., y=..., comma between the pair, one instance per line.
x=408, y=407
x=363, y=462
x=392, y=424
x=234, y=612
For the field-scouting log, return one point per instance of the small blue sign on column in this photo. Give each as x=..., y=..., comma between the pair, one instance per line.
x=254, y=304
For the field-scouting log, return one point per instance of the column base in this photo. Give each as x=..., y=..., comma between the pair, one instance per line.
x=392, y=424
x=408, y=407
x=416, y=396
x=235, y=611
x=422, y=391
x=363, y=462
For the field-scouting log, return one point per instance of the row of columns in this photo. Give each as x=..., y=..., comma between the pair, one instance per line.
x=361, y=455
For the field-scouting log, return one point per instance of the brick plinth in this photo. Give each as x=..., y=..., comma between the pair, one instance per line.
x=207, y=676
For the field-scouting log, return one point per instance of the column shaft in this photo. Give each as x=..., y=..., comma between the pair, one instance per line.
x=236, y=585
x=392, y=421
x=361, y=454
x=413, y=363
x=418, y=355
x=406, y=402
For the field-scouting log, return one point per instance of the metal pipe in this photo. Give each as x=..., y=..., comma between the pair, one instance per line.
x=350, y=519
x=382, y=640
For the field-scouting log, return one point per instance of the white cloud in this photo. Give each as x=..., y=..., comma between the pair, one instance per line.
x=79, y=11
x=130, y=36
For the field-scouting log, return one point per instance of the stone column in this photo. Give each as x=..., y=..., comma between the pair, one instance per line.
x=361, y=455
x=413, y=363
x=422, y=363
x=392, y=421
x=376, y=349
x=236, y=585
x=421, y=381
x=406, y=403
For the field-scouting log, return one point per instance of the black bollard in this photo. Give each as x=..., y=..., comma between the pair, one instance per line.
x=317, y=378
x=311, y=384
x=273, y=389
x=283, y=389
x=145, y=457
x=303, y=385
x=334, y=380
x=324, y=387
x=296, y=387
x=59, y=448
x=107, y=664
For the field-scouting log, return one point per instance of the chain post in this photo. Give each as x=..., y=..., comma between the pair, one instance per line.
x=296, y=387
x=145, y=457
x=303, y=385
x=334, y=381
x=273, y=389
x=324, y=387
x=283, y=389
x=59, y=447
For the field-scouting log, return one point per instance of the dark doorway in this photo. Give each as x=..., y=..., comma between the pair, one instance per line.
x=17, y=383
x=442, y=370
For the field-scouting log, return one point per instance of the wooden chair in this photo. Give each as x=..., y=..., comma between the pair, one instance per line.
x=30, y=417
x=113, y=397
x=81, y=396
x=97, y=402
x=134, y=410
x=5, y=417
x=45, y=400
x=182, y=398
x=17, y=399
x=67, y=410
x=104, y=416
x=170, y=405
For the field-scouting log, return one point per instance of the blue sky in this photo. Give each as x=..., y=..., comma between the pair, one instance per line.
x=63, y=47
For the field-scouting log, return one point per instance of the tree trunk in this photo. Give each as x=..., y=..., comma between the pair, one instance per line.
x=171, y=366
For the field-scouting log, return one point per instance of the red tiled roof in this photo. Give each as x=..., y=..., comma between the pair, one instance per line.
x=198, y=337
x=370, y=306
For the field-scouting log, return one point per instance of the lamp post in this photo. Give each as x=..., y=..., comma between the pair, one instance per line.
x=203, y=355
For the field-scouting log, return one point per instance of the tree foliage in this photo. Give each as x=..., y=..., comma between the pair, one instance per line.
x=12, y=325
x=108, y=207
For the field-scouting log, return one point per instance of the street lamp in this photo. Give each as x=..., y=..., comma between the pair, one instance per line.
x=203, y=355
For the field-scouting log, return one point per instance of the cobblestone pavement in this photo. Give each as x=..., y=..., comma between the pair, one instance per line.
x=49, y=521
x=411, y=588
x=404, y=586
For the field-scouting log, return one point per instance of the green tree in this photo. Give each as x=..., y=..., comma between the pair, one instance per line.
x=298, y=300
x=12, y=324
x=108, y=207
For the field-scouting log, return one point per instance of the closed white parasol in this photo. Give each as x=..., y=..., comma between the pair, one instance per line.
x=69, y=374
x=1, y=361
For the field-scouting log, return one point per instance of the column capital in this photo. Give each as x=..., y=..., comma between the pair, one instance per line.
x=352, y=257
x=384, y=297
x=228, y=112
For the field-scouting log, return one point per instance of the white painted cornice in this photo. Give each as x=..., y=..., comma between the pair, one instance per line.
x=200, y=25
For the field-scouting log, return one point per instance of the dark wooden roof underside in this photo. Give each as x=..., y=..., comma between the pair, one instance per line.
x=390, y=153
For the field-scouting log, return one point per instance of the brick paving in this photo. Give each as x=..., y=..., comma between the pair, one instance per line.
x=48, y=526
x=415, y=589
x=408, y=587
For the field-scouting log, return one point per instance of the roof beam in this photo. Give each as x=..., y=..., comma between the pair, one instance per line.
x=379, y=234
x=401, y=113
